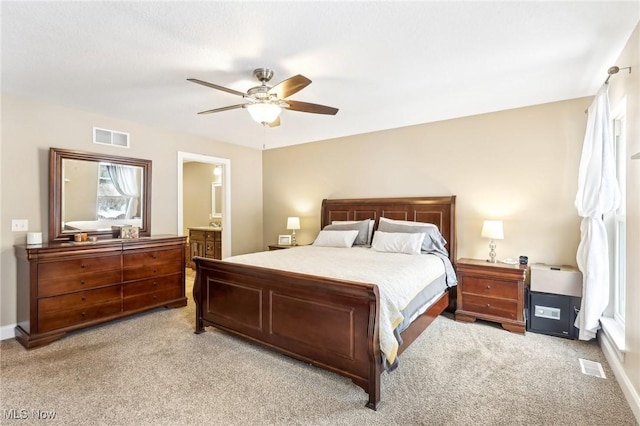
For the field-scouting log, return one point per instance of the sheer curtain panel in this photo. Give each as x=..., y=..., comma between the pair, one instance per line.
x=598, y=194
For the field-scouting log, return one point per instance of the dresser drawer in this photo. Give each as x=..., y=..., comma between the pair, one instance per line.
x=503, y=308
x=134, y=260
x=74, y=280
x=151, y=292
x=489, y=287
x=152, y=270
x=66, y=268
x=75, y=308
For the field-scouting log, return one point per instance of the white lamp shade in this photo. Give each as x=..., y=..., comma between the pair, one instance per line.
x=293, y=223
x=264, y=113
x=493, y=229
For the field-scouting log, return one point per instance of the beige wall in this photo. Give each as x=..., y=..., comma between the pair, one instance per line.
x=625, y=85
x=30, y=128
x=520, y=166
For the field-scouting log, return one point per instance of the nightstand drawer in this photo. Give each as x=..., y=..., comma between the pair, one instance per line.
x=489, y=287
x=502, y=308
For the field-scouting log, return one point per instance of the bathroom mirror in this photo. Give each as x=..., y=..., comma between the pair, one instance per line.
x=216, y=199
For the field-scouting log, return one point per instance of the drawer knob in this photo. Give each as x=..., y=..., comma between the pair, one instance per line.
x=154, y=256
x=83, y=315
x=81, y=282
x=83, y=298
x=155, y=284
x=488, y=287
x=155, y=297
x=155, y=270
x=488, y=305
x=82, y=266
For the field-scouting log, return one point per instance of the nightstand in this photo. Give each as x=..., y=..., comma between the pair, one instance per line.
x=492, y=292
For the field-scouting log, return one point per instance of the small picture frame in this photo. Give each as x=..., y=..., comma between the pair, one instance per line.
x=284, y=240
x=129, y=232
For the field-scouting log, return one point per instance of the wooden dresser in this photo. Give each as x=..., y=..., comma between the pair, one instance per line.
x=67, y=286
x=492, y=292
x=204, y=241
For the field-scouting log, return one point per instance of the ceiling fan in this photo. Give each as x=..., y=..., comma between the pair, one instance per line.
x=265, y=103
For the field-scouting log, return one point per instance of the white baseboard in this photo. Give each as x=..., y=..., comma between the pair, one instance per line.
x=7, y=332
x=611, y=355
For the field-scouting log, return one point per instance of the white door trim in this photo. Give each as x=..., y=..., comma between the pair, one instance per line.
x=226, y=193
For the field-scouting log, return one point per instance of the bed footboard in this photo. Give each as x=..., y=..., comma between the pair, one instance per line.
x=329, y=323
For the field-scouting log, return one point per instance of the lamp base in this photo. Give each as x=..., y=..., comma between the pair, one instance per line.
x=492, y=252
x=293, y=239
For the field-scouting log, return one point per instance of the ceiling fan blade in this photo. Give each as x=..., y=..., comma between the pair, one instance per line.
x=274, y=123
x=290, y=86
x=215, y=86
x=308, y=107
x=223, y=109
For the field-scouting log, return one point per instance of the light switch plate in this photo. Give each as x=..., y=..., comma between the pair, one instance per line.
x=19, y=225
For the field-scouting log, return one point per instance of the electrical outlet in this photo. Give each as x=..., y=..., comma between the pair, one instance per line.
x=19, y=225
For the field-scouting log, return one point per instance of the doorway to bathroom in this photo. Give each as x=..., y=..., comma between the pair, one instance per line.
x=204, y=198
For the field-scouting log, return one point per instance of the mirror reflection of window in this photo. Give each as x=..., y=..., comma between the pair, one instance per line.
x=118, y=195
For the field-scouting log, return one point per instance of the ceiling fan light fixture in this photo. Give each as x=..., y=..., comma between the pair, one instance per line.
x=265, y=102
x=264, y=113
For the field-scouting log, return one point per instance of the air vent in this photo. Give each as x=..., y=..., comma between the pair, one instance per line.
x=110, y=137
x=591, y=368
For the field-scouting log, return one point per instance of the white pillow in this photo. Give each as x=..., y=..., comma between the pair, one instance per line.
x=397, y=242
x=371, y=223
x=406, y=222
x=335, y=239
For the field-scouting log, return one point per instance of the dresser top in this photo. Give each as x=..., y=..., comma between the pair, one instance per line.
x=101, y=243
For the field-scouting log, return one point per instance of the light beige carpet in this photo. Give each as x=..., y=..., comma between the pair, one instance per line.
x=152, y=369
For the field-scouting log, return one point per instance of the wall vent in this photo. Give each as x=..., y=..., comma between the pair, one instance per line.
x=110, y=137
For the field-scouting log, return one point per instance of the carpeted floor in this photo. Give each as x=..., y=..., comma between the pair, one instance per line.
x=152, y=369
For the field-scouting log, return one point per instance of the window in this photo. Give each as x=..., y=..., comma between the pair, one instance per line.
x=613, y=320
x=619, y=236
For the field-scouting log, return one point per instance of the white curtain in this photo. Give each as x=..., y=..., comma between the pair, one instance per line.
x=125, y=180
x=598, y=194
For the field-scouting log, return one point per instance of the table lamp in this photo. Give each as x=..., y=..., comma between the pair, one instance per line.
x=293, y=223
x=493, y=230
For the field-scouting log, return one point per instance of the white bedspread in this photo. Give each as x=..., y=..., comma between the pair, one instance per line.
x=399, y=277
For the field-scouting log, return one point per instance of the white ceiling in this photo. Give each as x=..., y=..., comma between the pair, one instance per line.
x=383, y=64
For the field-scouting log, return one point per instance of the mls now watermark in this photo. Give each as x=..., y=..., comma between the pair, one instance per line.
x=24, y=414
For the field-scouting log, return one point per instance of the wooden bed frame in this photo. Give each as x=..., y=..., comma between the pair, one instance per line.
x=330, y=323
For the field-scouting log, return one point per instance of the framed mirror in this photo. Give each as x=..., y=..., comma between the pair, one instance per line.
x=216, y=200
x=91, y=193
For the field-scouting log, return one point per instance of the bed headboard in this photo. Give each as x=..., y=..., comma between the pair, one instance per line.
x=441, y=211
